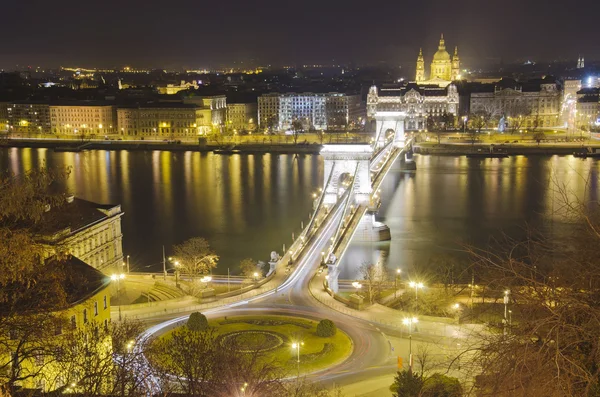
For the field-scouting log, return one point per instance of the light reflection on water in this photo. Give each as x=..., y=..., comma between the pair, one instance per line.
x=249, y=205
x=244, y=205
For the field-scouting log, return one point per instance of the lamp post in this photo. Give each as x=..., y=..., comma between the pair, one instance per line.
x=416, y=286
x=506, y=299
x=176, y=273
x=296, y=346
x=357, y=285
x=205, y=280
x=398, y=271
x=255, y=277
x=409, y=321
x=118, y=278
x=127, y=264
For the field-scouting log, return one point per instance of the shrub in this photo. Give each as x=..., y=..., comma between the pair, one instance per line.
x=326, y=328
x=197, y=322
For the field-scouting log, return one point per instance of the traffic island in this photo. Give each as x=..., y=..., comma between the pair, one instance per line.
x=278, y=339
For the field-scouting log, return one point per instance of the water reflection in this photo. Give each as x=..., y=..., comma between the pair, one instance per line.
x=452, y=201
x=244, y=205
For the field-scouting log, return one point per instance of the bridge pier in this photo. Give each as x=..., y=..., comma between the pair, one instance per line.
x=333, y=274
x=407, y=162
x=371, y=230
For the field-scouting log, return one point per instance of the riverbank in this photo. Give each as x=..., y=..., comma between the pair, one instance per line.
x=229, y=148
x=459, y=149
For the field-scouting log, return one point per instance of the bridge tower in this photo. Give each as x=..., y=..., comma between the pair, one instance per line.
x=341, y=163
x=389, y=122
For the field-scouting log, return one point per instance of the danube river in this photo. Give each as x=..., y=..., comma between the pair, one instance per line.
x=249, y=205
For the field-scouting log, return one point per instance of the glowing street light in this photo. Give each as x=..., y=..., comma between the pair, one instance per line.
x=409, y=321
x=398, y=272
x=506, y=300
x=357, y=285
x=296, y=346
x=416, y=286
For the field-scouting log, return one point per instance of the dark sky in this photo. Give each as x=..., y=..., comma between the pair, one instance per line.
x=200, y=33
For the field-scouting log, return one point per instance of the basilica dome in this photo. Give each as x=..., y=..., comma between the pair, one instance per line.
x=441, y=55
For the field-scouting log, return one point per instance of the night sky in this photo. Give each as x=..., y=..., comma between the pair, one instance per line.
x=204, y=33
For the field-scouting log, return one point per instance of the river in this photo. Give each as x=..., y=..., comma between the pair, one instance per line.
x=249, y=205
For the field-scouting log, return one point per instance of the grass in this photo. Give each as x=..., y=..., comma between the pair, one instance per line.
x=316, y=353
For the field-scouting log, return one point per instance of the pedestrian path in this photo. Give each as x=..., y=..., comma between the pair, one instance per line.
x=385, y=316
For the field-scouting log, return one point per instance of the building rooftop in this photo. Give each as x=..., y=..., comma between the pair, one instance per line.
x=63, y=283
x=74, y=215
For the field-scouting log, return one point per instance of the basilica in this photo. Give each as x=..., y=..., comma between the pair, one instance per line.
x=444, y=69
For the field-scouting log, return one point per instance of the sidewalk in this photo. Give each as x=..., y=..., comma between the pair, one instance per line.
x=190, y=304
x=385, y=316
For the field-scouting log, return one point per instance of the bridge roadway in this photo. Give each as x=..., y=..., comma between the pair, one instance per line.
x=372, y=356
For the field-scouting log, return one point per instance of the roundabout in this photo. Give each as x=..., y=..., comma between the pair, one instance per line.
x=276, y=337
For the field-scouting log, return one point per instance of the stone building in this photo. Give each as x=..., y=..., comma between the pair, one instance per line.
x=83, y=118
x=86, y=310
x=242, y=116
x=419, y=102
x=535, y=103
x=166, y=120
x=89, y=231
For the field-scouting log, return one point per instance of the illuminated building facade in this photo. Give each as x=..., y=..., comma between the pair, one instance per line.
x=87, y=230
x=164, y=120
x=538, y=102
x=27, y=117
x=171, y=89
x=242, y=116
x=83, y=118
x=214, y=106
x=418, y=102
x=315, y=111
x=87, y=309
x=444, y=69
x=588, y=109
x=3, y=116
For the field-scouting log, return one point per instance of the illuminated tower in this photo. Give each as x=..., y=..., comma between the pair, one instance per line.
x=420, y=67
x=580, y=63
x=455, y=65
x=441, y=67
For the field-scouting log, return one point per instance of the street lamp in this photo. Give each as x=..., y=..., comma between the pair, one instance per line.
x=205, y=280
x=357, y=285
x=409, y=321
x=255, y=276
x=506, y=299
x=127, y=264
x=243, y=388
x=296, y=345
x=118, y=278
x=398, y=271
x=416, y=286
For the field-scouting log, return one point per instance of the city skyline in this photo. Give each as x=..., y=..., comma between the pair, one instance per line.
x=158, y=35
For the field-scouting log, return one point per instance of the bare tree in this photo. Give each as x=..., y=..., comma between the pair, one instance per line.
x=296, y=130
x=248, y=267
x=553, y=287
x=483, y=113
x=195, y=257
x=375, y=276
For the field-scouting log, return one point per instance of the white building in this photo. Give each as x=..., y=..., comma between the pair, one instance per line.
x=314, y=111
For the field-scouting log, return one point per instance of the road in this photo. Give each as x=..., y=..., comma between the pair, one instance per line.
x=370, y=368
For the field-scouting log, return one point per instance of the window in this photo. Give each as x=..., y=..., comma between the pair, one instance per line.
x=85, y=319
x=95, y=308
x=105, y=302
x=73, y=322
